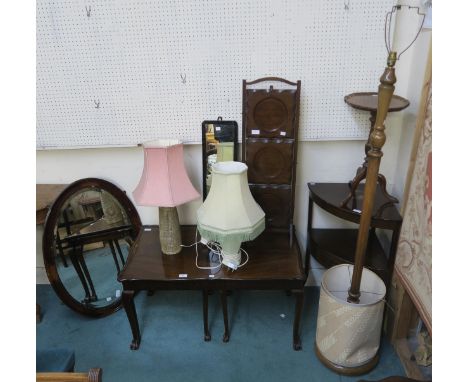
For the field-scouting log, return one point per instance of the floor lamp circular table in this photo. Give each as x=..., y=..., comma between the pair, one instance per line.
x=367, y=101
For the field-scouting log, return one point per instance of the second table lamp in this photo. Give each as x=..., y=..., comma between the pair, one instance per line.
x=230, y=215
x=165, y=183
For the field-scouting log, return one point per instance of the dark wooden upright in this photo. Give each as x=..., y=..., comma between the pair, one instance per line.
x=374, y=155
x=270, y=124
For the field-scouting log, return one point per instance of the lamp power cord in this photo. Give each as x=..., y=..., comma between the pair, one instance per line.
x=215, y=249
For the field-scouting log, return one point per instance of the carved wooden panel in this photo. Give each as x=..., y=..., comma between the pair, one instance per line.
x=275, y=202
x=270, y=113
x=269, y=161
x=269, y=136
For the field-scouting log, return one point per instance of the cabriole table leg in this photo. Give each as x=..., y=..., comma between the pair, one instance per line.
x=297, y=318
x=205, y=316
x=129, y=306
x=225, y=315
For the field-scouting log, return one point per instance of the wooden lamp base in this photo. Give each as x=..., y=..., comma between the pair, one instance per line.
x=343, y=370
x=169, y=230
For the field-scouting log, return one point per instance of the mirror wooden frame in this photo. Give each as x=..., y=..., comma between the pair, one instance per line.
x=48, y=243
x=219, y=121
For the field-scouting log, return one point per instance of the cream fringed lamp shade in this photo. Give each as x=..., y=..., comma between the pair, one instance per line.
x=165, y=183
x=230, y=215
x=348, y=334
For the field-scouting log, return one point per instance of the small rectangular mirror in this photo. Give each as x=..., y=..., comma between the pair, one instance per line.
x=219, y=145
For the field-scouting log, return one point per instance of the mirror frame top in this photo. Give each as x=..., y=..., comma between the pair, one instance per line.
x=48, y=242
x=220, y=122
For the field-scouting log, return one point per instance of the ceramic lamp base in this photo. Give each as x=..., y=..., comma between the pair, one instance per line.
x=231, y=253
x=169, y=230
x=231, y=261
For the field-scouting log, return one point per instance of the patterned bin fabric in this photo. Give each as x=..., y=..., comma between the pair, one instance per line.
x=349, y=334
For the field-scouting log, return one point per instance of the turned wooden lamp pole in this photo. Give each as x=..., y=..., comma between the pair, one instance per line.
x=374, y=154
x=377, y=140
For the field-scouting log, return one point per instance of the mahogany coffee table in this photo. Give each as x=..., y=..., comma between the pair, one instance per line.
x=273, y=264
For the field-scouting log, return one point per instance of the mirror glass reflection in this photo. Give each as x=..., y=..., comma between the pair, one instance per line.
x=219, y=145
x=92, y=240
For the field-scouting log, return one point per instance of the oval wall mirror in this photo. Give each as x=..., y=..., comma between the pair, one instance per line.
x=88, y=233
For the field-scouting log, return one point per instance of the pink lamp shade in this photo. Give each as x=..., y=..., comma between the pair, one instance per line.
x=164, y=182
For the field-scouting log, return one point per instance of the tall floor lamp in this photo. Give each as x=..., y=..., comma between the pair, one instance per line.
x=352, y=297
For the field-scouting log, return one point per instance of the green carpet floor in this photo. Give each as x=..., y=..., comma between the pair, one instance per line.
x=172, y=347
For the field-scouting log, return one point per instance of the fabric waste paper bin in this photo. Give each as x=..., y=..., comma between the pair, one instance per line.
x=348, y=334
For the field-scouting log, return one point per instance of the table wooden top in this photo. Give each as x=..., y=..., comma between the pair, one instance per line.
x=271, y=259
x=99, y=230
x=330, y=195
x=88, y=201
x=368, y=102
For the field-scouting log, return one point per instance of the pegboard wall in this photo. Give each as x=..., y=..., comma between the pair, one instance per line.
x=113, y=72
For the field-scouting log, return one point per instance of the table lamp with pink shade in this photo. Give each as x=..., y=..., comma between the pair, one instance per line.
x=164, y=183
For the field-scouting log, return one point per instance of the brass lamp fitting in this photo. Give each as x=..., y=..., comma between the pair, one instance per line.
x=392, y=58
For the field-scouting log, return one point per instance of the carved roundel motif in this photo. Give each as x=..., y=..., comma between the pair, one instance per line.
x=270, y=114
x=269, y=162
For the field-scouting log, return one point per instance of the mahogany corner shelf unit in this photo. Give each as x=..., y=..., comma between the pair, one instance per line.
x=331, y=247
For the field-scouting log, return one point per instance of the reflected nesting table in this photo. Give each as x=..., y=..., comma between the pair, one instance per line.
x=94, y=233
x=273, y=264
